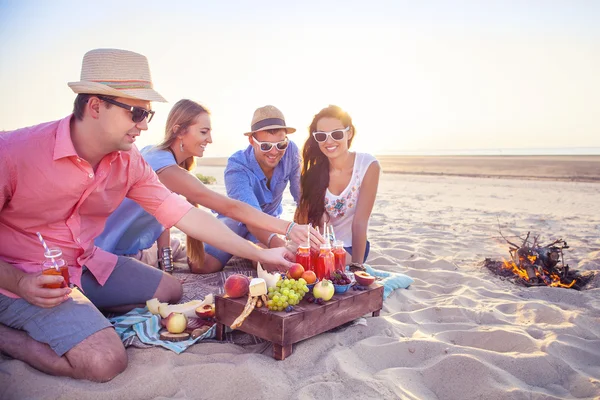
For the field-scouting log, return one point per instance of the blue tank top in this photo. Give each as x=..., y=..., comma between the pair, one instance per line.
x=130, y=228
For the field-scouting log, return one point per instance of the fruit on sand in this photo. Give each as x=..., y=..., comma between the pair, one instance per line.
x=152, y=305
x=295, y=271
x=176, y=322
x=206, y=311
x=310, y=277
x=237, y=286
x=363, y=278
x=324, y=290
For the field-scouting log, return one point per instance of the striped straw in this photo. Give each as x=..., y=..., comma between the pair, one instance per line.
x=332, y=232
x=307, y=235
x=47, y=250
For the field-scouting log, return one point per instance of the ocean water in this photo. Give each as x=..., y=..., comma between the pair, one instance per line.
x=566, y=151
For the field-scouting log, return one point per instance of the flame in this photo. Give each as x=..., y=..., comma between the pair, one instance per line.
x=552, y=280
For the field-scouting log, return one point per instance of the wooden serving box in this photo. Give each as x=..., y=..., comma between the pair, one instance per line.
x=307, y=320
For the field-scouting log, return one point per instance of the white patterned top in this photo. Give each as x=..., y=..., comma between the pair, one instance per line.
x=341, y=209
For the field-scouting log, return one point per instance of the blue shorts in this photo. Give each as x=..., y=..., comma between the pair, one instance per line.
x=239, y=229
x=349, y=250
x=69, y=323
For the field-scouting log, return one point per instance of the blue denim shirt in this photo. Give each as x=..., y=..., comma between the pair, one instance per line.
x=245, y=180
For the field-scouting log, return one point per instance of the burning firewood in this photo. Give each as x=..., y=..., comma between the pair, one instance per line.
x=533, y=264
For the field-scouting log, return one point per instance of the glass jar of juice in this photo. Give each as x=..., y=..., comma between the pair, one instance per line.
x=303, y=257
x=54, y=259
x=325, y=262
x=340, y=255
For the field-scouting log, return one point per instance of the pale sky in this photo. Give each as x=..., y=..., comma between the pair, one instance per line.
x=416, y=76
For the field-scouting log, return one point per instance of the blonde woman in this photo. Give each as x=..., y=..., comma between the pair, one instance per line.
x=132, y=231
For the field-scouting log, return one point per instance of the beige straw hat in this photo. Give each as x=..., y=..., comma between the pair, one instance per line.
x=119, y=73
x=268, y=117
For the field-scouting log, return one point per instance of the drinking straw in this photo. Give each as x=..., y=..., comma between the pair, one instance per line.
x=47, y=250
x=325, y=231
x=332, y=233
x=308, y=236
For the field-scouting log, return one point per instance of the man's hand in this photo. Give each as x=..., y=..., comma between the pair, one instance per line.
x=277, y=259
x=30, y=288
x=300, y=233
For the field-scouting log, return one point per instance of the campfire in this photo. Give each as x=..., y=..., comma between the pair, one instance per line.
x=533, y=264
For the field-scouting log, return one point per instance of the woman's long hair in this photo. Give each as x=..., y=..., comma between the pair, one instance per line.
x=315, y=170
x=183, y=115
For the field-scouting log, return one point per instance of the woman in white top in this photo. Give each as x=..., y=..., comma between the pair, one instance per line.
x=338, y=186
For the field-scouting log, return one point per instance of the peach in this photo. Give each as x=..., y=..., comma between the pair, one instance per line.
x=363, y=278
x=296, y=271
x=310, y=277
x=206, y=311
x=237, y=286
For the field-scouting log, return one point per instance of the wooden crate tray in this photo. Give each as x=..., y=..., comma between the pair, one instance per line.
x=307, y=320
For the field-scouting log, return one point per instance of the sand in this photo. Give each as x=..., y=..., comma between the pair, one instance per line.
x=457, y=333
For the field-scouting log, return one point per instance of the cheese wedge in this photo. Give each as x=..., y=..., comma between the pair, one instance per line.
x=258, y=287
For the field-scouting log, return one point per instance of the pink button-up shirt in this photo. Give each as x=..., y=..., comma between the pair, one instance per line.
x=45, y=187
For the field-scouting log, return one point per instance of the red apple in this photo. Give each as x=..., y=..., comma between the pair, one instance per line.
x=206, y=311
x=237, y=286
x=296, y=271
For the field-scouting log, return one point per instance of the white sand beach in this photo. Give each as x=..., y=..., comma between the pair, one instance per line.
x=457, y=332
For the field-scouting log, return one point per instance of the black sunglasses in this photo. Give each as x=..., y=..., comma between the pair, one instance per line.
x=267, y=146
x=138, y=114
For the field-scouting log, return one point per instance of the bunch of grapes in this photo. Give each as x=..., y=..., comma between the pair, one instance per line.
x=339, y=277
x=286, y=294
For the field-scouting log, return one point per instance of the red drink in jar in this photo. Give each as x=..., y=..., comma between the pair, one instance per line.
x=303, y=258
x=325, y=262
x=340, y=255
x=314, y=256
x=54, y=259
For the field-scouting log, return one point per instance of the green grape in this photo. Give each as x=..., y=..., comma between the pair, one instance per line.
x=302, y=281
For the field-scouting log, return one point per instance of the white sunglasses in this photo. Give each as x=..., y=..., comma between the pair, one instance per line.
x=267, y=146
x=337, y=135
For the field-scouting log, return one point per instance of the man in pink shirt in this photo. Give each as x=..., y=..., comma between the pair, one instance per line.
x=63, y=179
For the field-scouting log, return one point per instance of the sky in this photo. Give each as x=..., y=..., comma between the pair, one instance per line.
x=417, y=77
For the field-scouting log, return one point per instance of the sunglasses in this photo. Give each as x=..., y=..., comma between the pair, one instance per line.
x=267, y=146
x=138, y=114
x=338, y=135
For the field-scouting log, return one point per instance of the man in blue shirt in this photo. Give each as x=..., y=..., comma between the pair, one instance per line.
x=258, y=176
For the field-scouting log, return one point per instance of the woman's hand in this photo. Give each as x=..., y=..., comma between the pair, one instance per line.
x=300, y=233
x=31, y=289
x=276, y=259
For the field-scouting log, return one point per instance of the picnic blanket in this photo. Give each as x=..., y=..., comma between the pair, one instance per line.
x=390, y=280
x=142, y=324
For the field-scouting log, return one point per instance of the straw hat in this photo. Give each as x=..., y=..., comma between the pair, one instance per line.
x=268, y=117
x=119, y=73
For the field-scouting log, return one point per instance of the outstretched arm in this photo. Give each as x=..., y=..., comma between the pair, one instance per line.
x=364, y=206
x=183, y=182
x=203, y=226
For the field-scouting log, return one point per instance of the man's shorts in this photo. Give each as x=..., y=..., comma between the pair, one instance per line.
x=68, y=324
x=239, y=229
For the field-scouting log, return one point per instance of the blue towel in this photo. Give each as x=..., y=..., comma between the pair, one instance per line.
x=390, y=280
x=146, y=326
